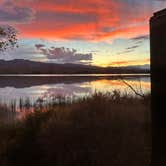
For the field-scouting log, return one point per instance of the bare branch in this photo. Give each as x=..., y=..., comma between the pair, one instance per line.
x=132, y=88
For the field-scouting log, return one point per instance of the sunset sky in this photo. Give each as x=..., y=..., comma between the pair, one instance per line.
x=97, y=32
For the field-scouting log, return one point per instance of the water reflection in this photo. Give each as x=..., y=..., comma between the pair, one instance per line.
x=67, y=90
x=44, y=87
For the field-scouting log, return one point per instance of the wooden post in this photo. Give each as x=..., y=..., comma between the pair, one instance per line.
x=158, y=86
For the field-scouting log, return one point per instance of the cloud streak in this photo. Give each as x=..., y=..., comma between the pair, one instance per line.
x=130, y=62
x=138, y=40
x=128, y=50
x=142, y=37
x=132, y=47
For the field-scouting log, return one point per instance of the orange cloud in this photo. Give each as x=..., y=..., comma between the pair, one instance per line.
x=130, y=62
x=88, y=20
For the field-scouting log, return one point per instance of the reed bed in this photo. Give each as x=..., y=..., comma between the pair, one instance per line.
x=98, y=130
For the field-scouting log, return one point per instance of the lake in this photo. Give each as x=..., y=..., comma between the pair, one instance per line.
x=14, y=87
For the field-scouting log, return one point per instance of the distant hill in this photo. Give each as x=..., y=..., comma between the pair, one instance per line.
x=20, y=66
x=144, y=67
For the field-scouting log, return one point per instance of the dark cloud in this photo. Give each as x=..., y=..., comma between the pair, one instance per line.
x=108, y=29
x=9, y=12
x=67, y=17
x=64, y=55
x=38, y=46
x=133, y=47
x=142, y=37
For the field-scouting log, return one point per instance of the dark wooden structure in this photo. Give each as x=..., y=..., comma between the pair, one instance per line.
x=158, y=86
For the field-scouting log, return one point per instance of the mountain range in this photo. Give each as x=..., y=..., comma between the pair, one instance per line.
x=21, y=66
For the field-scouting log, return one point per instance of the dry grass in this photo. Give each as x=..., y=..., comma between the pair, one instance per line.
x=102, y=130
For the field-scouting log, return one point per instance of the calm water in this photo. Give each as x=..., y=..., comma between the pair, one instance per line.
x=44, y=86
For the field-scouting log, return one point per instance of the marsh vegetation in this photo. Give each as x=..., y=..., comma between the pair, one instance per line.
x=104, y=129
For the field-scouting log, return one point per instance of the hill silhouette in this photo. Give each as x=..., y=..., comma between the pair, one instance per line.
x=20, y=66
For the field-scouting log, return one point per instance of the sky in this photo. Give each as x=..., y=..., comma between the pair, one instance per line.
x=92, y=32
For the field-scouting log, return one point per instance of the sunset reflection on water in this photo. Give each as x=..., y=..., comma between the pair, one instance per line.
x=73, y=88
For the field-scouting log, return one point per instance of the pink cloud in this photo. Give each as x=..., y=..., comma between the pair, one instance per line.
x=88, y=20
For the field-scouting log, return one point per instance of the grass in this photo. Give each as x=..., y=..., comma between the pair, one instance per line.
x=7, y=112
x=101, y=130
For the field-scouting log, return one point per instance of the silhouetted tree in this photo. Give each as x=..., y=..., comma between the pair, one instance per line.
x=8, y=38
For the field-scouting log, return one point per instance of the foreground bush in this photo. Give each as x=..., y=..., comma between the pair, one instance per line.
x=102, y=130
